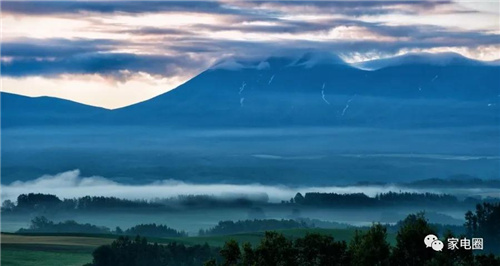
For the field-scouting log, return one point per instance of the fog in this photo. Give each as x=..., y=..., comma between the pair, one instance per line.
x=72, y=184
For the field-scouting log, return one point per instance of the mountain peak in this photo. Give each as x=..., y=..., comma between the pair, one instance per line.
x=311, y=59
x=306, y=60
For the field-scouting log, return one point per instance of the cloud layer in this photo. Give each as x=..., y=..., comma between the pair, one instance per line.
x=176, y=40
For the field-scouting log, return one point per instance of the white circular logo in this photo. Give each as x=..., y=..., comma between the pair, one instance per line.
x=437, y=245
x=429, y=239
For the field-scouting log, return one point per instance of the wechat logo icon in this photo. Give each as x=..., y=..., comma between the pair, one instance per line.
x=431, y=241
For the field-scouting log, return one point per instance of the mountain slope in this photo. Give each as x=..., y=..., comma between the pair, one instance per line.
x=19, y=110
x=291, y=92
x=312, y=90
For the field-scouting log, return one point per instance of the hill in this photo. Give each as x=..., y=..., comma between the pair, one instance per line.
x=22, y=111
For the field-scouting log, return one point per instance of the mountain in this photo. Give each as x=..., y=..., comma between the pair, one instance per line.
x=306, y=120
x=19, y=110
x=306, y=91
x=315, y=89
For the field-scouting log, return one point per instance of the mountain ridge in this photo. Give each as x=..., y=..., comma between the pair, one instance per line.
x=306, y=90
x=210, y=128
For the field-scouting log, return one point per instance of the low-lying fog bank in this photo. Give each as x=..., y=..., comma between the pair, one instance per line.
x=71, y=184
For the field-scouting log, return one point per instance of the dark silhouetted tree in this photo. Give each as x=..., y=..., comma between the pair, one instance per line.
x=248, y=255
x=231, y=253
x=410, y=249
x=317, y=249
x=299, y=199
x=274, y=249
x=485, y=223
x=370, y=248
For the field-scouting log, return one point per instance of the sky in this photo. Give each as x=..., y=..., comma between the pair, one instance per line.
x=114, y=54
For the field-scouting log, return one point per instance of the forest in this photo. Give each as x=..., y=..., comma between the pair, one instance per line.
x=369, y=247
x=37, y=202
x=41, y=224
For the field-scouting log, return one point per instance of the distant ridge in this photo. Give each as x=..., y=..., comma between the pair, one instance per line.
x=17, y=110
x=465, y=181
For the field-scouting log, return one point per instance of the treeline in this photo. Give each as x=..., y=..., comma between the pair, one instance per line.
x=388, y=199
x=366, y=248
x=35, y=202
x=44, y=225
x=152, y=230
x=47, y=202
x=247, y=226
x=202, y=201
x=127, y=252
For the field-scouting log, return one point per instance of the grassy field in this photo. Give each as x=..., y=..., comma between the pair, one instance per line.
x=254, y=238
x=71, y=249
x=49, y=250
x=25, y=257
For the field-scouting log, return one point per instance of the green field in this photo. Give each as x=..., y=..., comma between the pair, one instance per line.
x=24, y=256
x=254, y=238
x=72, y=249
x=27, y=250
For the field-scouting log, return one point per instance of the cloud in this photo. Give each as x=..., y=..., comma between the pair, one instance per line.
x=133, y=7
x=182, y=38
x=35, y=48
x=255, y=9
x=351, y=8
x=99, y=63
x=71, y=184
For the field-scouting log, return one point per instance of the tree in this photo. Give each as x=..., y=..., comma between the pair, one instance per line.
x=485, y=223
x=8, y=205
x=248, y=255
x=104, y=256
x=154, y=230
x=244, y=226
x=299, y=199
x=410, y=249
x=487, y=260
x=40, y=223
x=33, y=201
x=455, y=257
x=317, y=249
x=370, y=248
x=231, y=253
x=470, y=223
x=210, y=262
x=275, y=250
x=127, y=252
